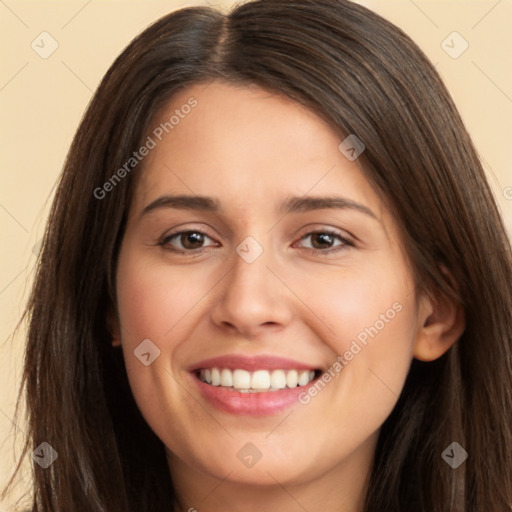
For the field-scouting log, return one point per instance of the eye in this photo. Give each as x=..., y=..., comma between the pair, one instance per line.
x=187, y=241
x=324, y=241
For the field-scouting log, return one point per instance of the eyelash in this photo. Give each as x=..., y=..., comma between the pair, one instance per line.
x=343, y=246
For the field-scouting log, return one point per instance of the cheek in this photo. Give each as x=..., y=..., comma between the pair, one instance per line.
x=153, y=300
x=369, y=322
x=153, y=304
x=358, y=304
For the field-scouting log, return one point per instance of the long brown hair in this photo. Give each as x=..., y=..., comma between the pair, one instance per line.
x=364, y=76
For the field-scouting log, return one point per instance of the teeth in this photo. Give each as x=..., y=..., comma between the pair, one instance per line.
x=278, y=379
x=304, y=377
x=292, y=378
x=226, y=378
x=260, y=380
x=241, y=379
x=215, y=377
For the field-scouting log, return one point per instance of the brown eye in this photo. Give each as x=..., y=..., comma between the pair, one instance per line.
x=324, y=241
x=187, y=241
x=192, y=240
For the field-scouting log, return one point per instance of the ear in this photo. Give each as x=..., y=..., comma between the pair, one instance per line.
x=113, y=327
x=441, y=324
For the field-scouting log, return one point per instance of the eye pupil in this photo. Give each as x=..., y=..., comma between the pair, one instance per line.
x=321, y=240
x=192, y=240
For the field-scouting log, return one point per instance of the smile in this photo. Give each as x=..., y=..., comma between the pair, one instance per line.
x=259, y=381
x=259, y=385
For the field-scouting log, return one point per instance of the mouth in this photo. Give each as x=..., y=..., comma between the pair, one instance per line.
x=255, y=386
x=259, y=381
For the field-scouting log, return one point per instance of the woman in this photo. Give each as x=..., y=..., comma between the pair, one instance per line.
x=274, y=277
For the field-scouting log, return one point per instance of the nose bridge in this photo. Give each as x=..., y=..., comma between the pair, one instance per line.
x=250, y=276
x=252, y=296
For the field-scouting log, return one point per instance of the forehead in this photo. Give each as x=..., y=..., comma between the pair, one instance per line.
x=243, y=143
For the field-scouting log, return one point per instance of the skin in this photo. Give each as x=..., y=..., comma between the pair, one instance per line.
x=251, y=150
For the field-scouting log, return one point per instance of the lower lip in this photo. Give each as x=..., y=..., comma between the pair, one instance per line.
x=251, y=404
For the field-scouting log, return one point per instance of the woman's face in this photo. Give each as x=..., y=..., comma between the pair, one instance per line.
x=258, y=257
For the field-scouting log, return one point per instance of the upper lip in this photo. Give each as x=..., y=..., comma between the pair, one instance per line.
x=251, y=363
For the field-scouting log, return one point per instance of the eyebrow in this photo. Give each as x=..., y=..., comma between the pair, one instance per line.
x=183, y=202
x=291, y=205
x=306, y=204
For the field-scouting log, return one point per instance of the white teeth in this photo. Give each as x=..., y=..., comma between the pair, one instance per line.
x=278, y=379
x=303, y=377
x=215, y=377
x=260, y=380
x=226, y=378
x=292, y=378
x=241, y=379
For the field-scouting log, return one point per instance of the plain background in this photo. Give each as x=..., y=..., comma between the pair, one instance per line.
x=42, y=101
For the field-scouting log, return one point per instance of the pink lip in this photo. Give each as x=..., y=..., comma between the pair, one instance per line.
x=250, y=404
x=251, y=364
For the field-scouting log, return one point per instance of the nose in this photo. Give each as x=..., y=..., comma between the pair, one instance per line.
x=253, y=300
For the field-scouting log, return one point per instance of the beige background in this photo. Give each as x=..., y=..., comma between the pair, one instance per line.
x=42, y=100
